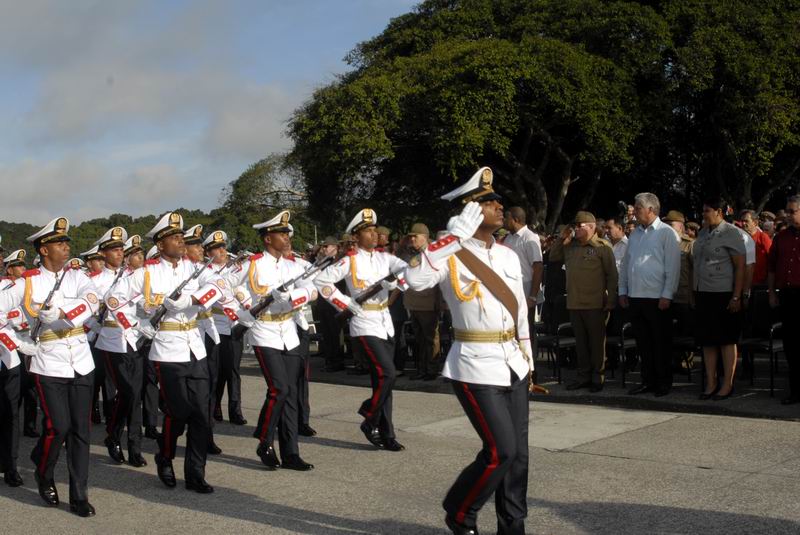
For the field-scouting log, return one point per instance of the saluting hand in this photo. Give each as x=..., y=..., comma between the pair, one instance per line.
x=465, y=224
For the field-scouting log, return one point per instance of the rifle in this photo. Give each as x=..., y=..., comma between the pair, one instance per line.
x=161, y=310
x=104, y=312
x=237, y=332
x=37, y=327
x=370, y=292
x=241, y=256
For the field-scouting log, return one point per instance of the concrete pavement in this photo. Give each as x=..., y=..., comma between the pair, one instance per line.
x=593, y=470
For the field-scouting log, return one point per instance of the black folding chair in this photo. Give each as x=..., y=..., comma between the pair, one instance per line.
x=764, y=336
x=557, y=335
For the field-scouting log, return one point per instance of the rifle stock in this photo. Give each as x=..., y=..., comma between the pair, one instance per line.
x=369, y=293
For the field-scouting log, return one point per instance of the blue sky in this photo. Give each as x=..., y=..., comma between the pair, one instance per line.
x=142, y=106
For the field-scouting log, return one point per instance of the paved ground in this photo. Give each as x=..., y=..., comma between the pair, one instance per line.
x=593, y=470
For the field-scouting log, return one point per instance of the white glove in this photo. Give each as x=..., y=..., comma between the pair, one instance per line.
x=355, y=308
x=389, y=286
x=50, y=315
x=467, y=222
x=27, y=346
x=176, y=305
x=281, y=297
x=146, y=330
x=245, y=318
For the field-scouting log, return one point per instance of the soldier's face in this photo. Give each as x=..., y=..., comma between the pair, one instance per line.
x=96, y=264
x=330, y=250
x=114, y=256
x=219, y=254
x=172, y=246
x=15, y=272
x=136, y=260
x=419, y=241
x=367, y=238
x=492, y=214
x=277, y=241
x=194, y=252
x=383, y=240
x=57, y=253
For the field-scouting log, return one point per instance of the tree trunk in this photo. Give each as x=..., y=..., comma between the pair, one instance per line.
x=561, y=195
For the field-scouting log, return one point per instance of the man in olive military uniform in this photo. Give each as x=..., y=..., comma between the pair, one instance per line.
x=591, y=295
x=683, y=299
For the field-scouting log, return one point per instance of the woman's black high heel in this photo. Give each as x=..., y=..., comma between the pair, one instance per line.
x=712, y=394
x=726, y=396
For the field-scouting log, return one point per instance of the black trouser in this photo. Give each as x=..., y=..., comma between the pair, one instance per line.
x=184, y=391
x=67, y=408
x=790, y=316
x=150, y=394
x=377, y=410
x=424, y=323
x=126, y=371
x=212, y=361
x=9, y=417
x=282, y=370
x=102, y=382
x=652, y=329
x=500, y=417
x=230, y=358
x=28, y=396
x=304, y=406
x=331, y=330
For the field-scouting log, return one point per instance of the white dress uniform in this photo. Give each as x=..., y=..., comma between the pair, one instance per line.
x=487, y=362
x=10, y=383
x=275, y=342
x=371, y=325
x=62, y=365
x=229, y=351
x=177, y=351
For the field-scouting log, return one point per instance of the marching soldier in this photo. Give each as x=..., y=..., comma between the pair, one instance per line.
x=371, y=326
x=178, y=351
x=274, y=339
x=116, y=341
x=62, y=362
x=93, y=261
x=193, y=238
x=10, y=381
x=488, y=362
x=225, y=317
x=15, y=267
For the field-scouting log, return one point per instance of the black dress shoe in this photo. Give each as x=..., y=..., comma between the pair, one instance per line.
x=458, y=529
x=390, y=444
x=372, y=434
x=306, y=430
x=47, y=490
x=114, y=450
x=661, y=392
x=294, y=462
x=165, y=472
x=12, y=478
x=268, y=456
x=31, y=432
x=151, y=432
x=237, y=419
x=596, y=387
x=722, y=397
x=576, y=385
x=791, y=400
x=200, y=486
x=708, y=395
x=213, y=449
x=82, y=508
x=218, y=413
x=136, y=460
x=96, y=419
x=641, y=389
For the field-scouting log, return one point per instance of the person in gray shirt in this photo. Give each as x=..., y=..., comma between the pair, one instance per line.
x=719, y=276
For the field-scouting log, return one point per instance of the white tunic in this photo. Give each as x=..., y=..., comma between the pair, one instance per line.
x=487, y=363
x=63, y=348
x=361, y=269
x=116, y=338
x=261, y=274
x=156, y=280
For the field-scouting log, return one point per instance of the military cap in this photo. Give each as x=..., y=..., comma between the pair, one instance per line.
x=363, y=219
x=477, y=188
x=169, y=224
x=114, y=237
x=55, y=231
x=584, y=217
x=674, y=215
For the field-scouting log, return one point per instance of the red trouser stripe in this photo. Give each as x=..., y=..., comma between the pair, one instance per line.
x=272, y=393
x=117, y=397
x=376, y=394
x=494, y=462
x=167, y=418
x=49, y=433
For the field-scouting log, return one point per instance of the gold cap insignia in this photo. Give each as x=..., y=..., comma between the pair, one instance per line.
x=218, y=236
x=367, y=215
x=61, y=225
x=486, y=177
x=175, y=219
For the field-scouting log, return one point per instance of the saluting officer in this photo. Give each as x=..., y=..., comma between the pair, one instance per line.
x=117, y=342
x=61, y=362
x=274, y=340
x=371, y=325
x=177, y=351
x=489, y=362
